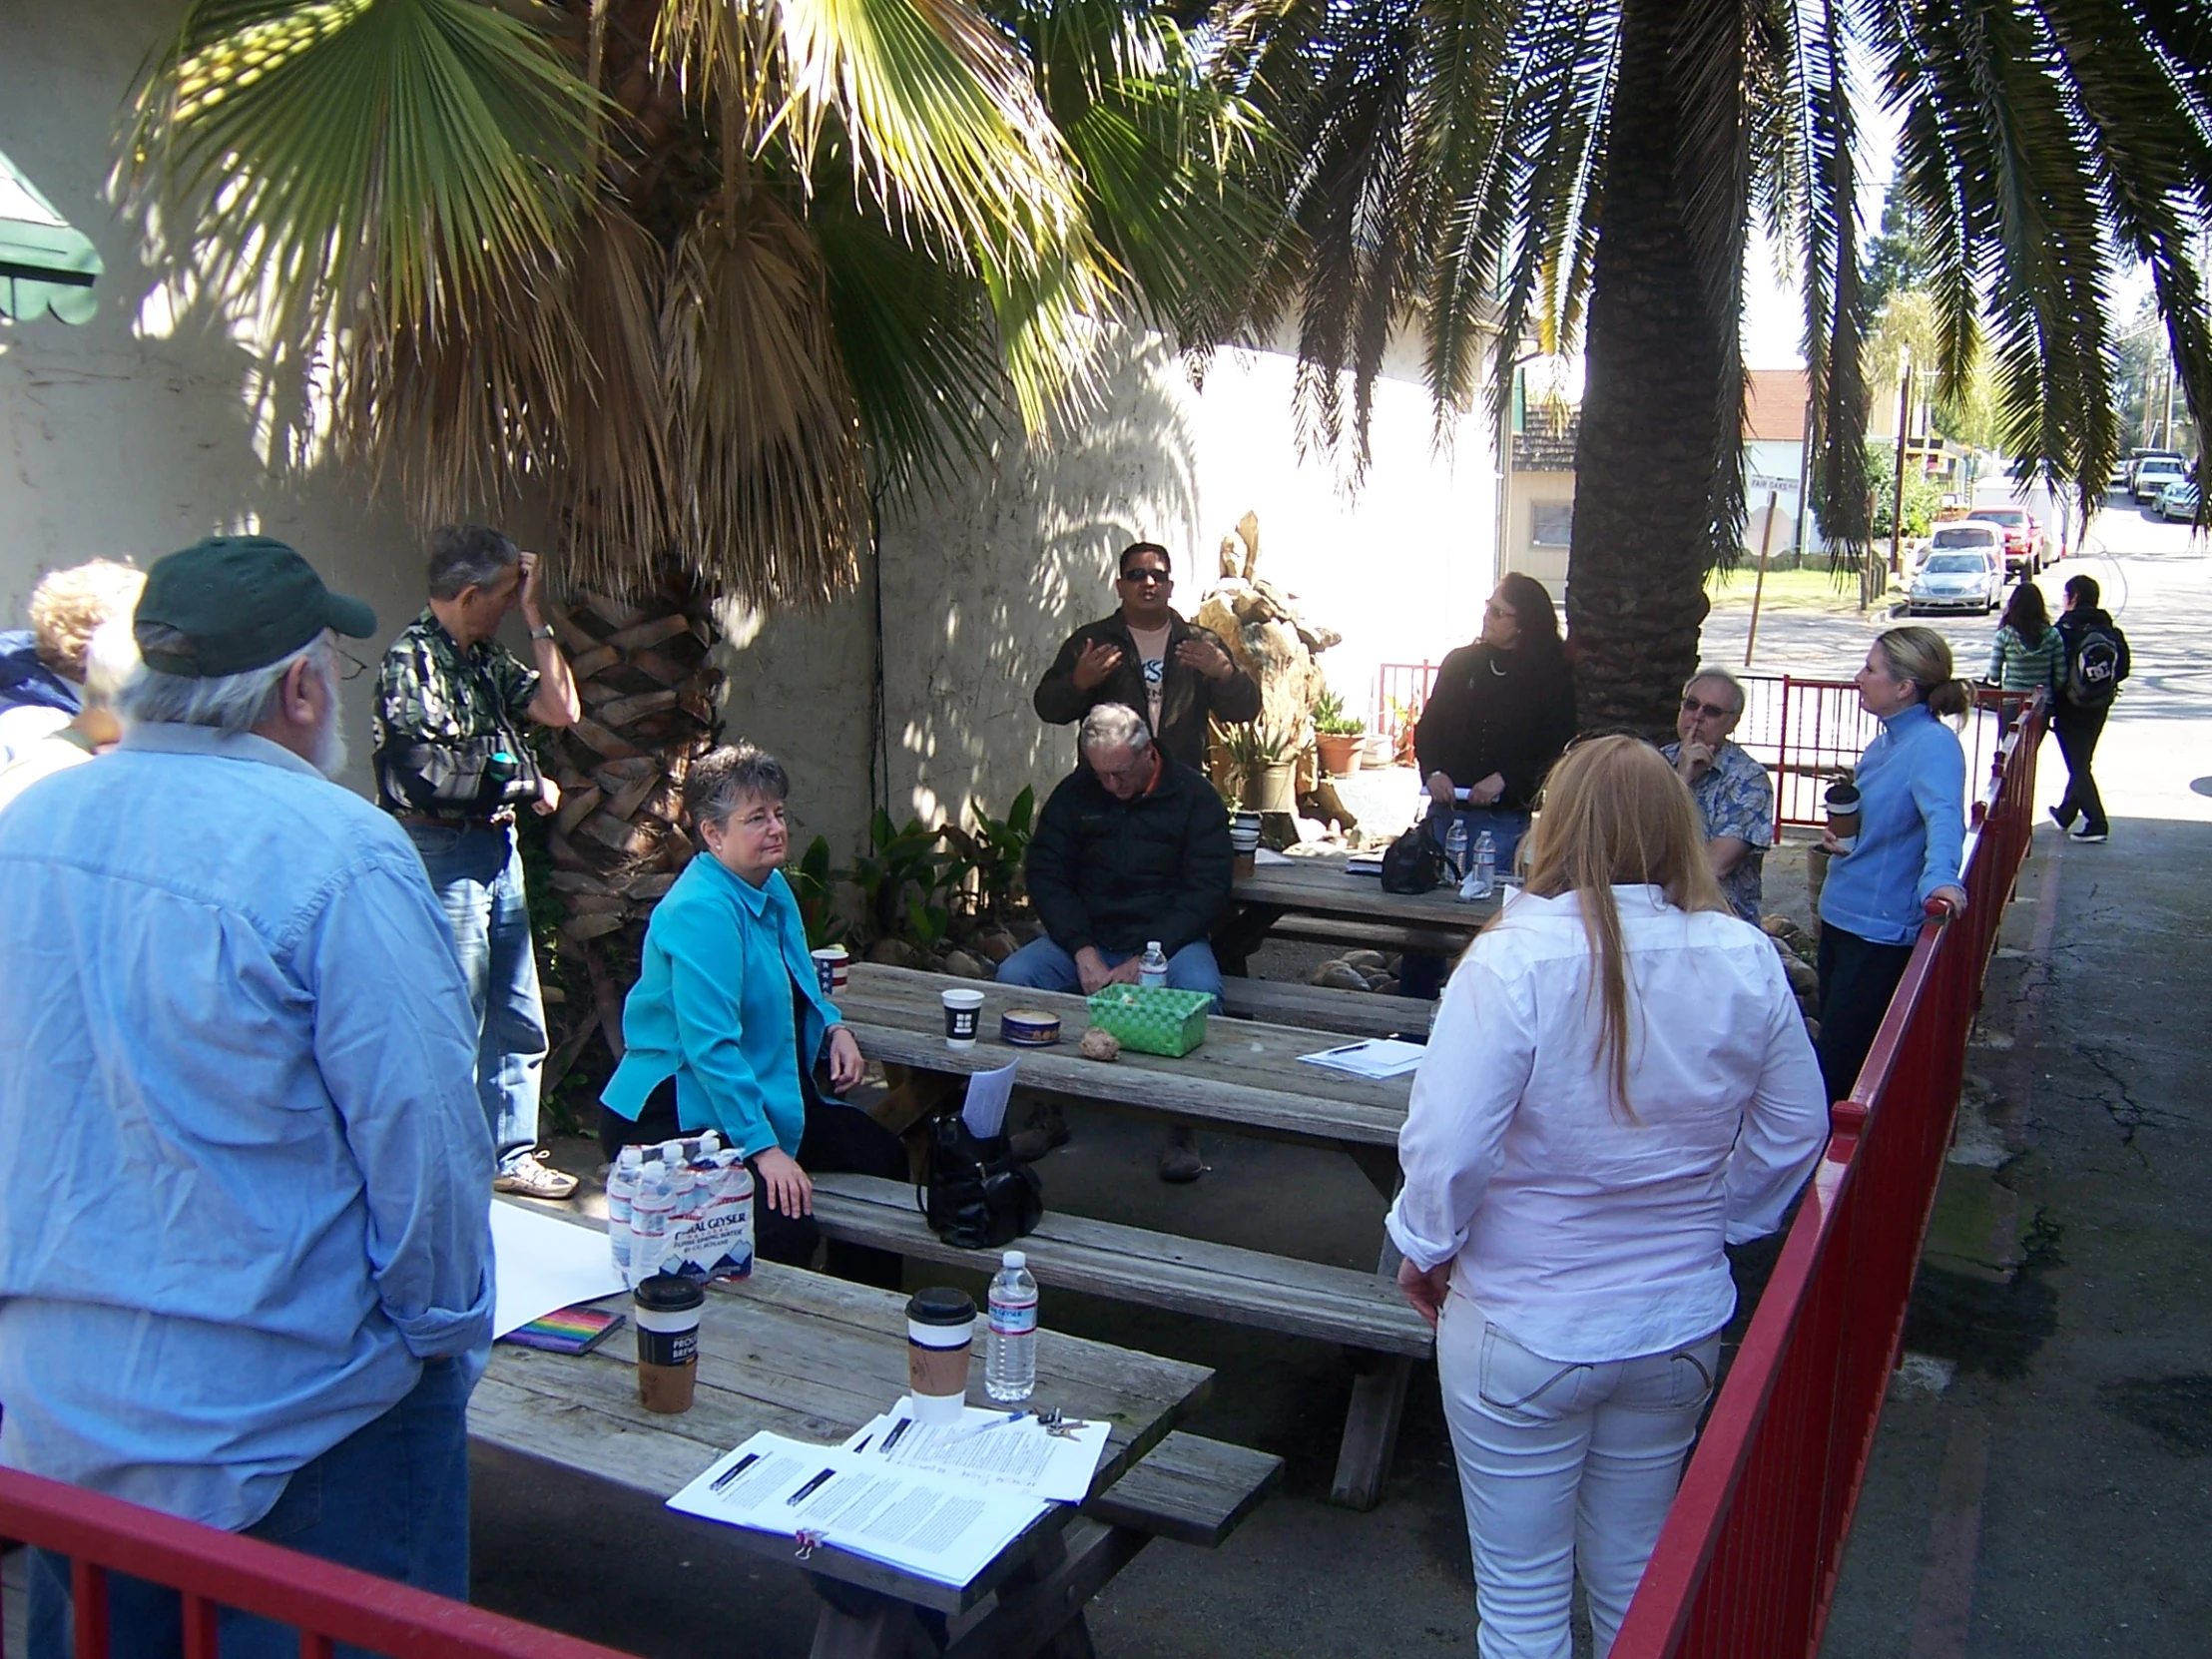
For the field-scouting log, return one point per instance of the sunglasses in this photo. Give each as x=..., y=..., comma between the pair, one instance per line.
x=1147, y=573
x=1691, y=706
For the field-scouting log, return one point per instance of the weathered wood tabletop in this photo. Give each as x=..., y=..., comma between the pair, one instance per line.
x=1246, y=1076
x=812, y=1357
x=1319, y=887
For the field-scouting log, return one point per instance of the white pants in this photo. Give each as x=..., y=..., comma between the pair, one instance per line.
x=1562, y=1466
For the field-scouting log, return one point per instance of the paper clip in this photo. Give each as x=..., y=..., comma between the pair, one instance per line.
x=806, y=1542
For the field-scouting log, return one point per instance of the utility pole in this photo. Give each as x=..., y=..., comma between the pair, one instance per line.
x=1896, y=511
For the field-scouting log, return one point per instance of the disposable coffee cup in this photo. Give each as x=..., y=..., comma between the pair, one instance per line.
x=666, y=1312
x=963, y=1016
x=832, y=969
x=1242, y=821
x=940, y=1332
x=1843, y=815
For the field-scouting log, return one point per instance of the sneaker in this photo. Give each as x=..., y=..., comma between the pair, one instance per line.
x=1180, y=1163
x=2064, y=820
x=530, y=1176
x=2085, y=834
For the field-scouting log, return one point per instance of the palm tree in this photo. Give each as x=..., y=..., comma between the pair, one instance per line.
x=709, y=277
x=1588, y=169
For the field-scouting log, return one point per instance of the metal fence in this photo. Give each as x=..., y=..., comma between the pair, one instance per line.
x=213, y=1569
x=1804, y=731
x=1746, y=1566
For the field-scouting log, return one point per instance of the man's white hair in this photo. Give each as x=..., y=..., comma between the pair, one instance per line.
x=228, y=702
x=1734, y=685
x=111, y=657
x=1113, y=726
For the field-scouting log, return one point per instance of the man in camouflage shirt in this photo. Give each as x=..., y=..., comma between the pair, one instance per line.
x=453, y=763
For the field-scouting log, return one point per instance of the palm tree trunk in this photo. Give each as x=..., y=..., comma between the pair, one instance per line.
x=1644, y=531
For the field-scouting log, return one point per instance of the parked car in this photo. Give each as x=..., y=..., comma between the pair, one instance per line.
x=2178, y=501
x=2136, y=457
x=2154, y=473
x=1964, y=571
x=2023, y=537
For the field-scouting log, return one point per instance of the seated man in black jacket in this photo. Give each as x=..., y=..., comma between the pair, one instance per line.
x=1147, y=658
x=1132, y=848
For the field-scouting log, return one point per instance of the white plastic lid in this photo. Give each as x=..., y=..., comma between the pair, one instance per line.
x=1013, y=1259
x=1152, y=944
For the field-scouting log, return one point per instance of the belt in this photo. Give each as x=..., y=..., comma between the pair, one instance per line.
x=501, y=820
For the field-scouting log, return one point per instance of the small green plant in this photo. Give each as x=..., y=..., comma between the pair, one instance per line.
x=1329, y=719
x=992, y=856
x=813, y=885
x=900, y=865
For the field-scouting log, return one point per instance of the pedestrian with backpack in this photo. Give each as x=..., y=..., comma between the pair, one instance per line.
x=2093, y=665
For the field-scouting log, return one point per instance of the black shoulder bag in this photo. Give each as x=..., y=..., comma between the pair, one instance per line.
x=979, y=1196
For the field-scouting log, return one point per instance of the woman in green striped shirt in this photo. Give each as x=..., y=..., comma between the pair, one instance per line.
x=2028, y=654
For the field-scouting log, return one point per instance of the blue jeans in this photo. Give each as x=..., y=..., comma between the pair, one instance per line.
x=390, y=1499
x=477, y=876
x=1420, y=973
x=1044, y=966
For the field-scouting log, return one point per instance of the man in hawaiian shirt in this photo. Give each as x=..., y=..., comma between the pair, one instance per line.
x=452, y=763
x=1731, y=789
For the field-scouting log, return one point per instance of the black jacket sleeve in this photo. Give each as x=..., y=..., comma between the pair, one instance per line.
x=1056, y=698
x=1204, y=895
x=1055, y=890
x=1440, y=735
x=1236, y=699
x=1548, y=728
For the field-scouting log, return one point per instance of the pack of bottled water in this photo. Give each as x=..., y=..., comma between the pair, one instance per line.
x=683, y=1207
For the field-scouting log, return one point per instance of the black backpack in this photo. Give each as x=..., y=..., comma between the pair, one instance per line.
x=1413, y=862
x=2093, y=667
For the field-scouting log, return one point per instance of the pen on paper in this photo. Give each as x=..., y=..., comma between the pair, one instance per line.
x=734, y=1470
x=986, y=1428
x=811, y=1488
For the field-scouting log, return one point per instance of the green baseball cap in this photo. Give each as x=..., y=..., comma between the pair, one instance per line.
x=240, y=602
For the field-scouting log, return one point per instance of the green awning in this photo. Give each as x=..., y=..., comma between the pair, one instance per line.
x=46, y=263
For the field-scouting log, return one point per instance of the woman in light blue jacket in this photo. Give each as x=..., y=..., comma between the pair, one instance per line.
x=727, y=1022
x=1911, y=833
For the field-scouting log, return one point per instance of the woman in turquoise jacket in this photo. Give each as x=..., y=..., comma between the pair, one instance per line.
x=727, y=1022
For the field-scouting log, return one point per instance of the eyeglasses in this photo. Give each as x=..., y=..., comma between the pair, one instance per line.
x=1146, y=574
x=350, y=667
x=1691, y=706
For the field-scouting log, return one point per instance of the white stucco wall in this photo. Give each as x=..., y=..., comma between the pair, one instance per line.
x=145, y=429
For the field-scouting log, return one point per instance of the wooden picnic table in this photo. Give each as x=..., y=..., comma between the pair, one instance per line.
x=1314, y=897
x=815, y=1357
x=1245, y=1078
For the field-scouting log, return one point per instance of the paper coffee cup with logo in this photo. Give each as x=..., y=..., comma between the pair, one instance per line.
x=1843, y=813
x=940, y=1334
x=665, y=1310
x=963, y=1017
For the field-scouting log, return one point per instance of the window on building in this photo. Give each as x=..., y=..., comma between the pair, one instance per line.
x=1550, y=523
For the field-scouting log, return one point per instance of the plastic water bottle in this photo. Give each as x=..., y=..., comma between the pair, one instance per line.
x=1456, y=848
x=1010, y=1356
x=1481, y=880
x=622, y=1192
x=1153, y=970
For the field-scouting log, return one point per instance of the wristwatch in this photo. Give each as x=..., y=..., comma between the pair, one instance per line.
x=544, y=633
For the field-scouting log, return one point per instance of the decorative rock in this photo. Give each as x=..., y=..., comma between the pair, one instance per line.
x=959, y=962
x=1374, y=977
x=1365, y=960
x=996, y=944
x=1388, y=987
x=1336, y=976
x=894, y=954
x=1098, y=1044
x=1803, y=979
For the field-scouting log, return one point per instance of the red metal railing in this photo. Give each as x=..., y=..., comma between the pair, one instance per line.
x=1747, y=1565
x=1804, y=731
x=326, y=1603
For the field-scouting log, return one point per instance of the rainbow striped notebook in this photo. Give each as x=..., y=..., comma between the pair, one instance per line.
x=566, y=1331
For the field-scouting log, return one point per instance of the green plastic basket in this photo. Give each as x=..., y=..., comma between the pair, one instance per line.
x=1151, y=1018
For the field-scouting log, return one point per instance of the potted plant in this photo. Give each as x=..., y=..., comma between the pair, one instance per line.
x=1338, y=737
x=1263, y=768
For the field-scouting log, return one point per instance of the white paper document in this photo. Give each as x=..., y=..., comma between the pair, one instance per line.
x=1265, y=856
x=1010, y=1449
x=541, y=1263
x=985, y=1111
x=1376, y=1057
x=933, y=1525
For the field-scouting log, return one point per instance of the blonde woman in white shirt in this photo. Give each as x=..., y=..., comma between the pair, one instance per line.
x=1618, y=1082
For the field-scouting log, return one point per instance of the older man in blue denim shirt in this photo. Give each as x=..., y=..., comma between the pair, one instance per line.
x=244, y=1256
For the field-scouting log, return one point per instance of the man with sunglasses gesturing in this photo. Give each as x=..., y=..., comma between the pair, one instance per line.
x=1732, y=791
x=1147, y=658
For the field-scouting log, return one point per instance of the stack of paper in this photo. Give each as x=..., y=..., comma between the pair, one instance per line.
x=935, y=1526
x=1011, y=1450
x=1376, y=1057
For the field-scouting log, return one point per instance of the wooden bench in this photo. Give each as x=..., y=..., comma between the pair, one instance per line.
x=1189, y=1490
x=1363, y=1310
x=1324, y=1008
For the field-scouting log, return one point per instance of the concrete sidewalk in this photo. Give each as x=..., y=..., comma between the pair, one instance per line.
x=2039, y=1484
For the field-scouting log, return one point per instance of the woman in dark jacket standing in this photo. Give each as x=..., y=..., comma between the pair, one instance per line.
x=1500, y=713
